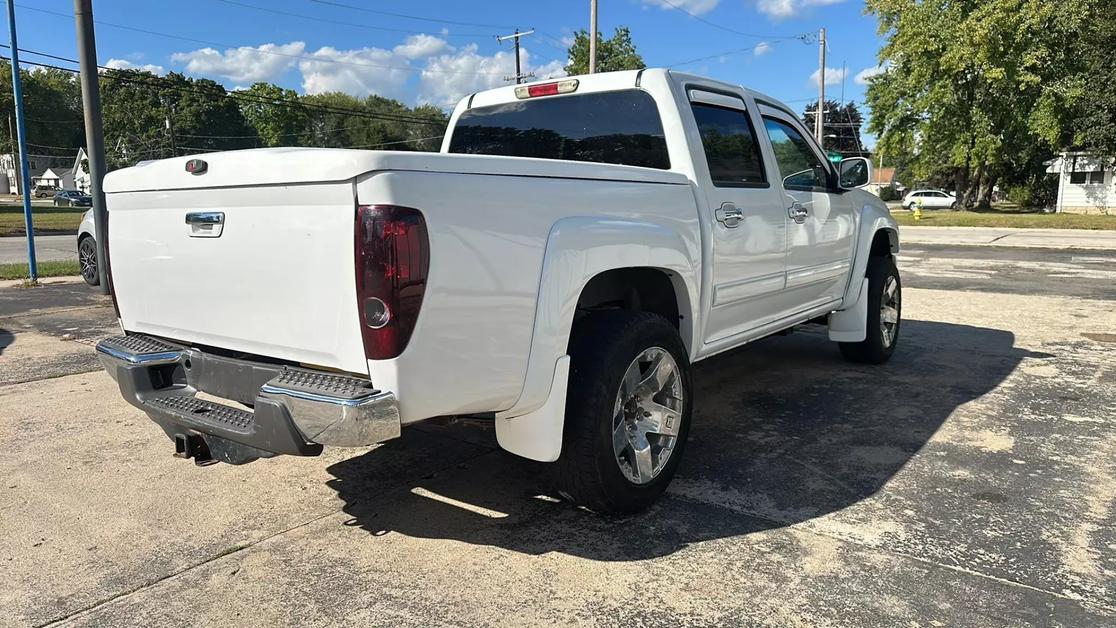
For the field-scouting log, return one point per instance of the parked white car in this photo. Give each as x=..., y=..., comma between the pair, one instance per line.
x=556, y=269
x=931, y=199
x=87, y=249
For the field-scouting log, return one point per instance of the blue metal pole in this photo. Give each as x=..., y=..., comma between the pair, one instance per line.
x=25, y=169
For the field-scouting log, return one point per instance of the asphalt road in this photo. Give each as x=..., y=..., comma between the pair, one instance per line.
x=47, y=248
x=969, y=482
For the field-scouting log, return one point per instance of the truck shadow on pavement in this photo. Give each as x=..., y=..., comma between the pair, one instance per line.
x=783, y=431
x=6, y=339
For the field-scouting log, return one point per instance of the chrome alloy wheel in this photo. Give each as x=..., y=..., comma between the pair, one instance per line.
x=647, y=415
x=87, y=260
x=889, y=310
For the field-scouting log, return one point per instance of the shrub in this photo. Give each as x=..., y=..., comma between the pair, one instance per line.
x=889, y=193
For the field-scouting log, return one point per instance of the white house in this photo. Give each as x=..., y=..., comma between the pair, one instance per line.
x=52, y=170
x=1086, y=183
x=79, y=173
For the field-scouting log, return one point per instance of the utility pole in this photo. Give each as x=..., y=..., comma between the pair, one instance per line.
x=170, y=130
x=519, y=75
x=94, y=130
x=819, y=115
x=592, y=36
x=25, y=169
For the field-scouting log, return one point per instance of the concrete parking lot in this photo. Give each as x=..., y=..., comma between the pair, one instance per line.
x=969, y=482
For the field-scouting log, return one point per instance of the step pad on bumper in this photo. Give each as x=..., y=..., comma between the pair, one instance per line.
x=324, y=384
x=197, y=410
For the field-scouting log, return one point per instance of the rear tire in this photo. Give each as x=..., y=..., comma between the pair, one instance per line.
x=606, y=446
x=885, y=305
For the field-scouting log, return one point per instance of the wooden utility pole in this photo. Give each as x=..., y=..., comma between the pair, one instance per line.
x=519, y=75
x=592, y=36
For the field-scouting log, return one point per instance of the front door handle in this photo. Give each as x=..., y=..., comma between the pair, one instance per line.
x=729, y=215
x=798, y=212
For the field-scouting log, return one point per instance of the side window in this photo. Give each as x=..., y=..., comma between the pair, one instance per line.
x=799, y=166
x=730, y=146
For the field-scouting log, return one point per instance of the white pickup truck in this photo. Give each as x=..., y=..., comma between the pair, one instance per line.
x=556, y=269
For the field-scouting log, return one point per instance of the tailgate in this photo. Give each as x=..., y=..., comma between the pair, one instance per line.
x=278, y=281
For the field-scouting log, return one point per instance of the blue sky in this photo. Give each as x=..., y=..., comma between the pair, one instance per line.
x=325, y=45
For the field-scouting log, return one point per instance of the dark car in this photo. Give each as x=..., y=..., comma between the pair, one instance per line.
x=72, y=198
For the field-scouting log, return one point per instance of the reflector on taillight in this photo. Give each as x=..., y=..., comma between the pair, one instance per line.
x=392, y=262
x=566, y=86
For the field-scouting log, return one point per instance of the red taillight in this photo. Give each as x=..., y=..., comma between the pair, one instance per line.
x=392, y=262
x=566, y=86
x=546, y=89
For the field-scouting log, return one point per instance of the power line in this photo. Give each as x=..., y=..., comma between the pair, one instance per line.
x=720, y=54
x=801, y=36
x=409, y=17
x=138, y=78
x=257, y=50
x=303, y=16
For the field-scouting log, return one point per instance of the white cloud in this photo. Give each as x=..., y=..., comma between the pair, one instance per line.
x=697, y=7
x=124, y=64
x=783, y=9
x=422, y=45
x=447, y=78
x=867, y=73
x=833, y=76
x=360, y=72
x=246, y=64
x=762, y=48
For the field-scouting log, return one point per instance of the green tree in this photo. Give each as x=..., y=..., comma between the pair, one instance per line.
x=842, y=127
x=976, y=86
x=617, y=53
x=52, y=110
x=268, y=109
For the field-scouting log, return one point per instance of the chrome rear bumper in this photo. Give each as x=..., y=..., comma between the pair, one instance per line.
x=293, y=410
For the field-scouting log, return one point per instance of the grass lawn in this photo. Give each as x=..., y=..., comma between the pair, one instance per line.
x=1009, y=217
x=48, y=219
x=46, y=269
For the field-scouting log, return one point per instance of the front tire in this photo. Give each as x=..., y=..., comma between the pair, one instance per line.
x=627, y=411
x=885, y=306
x=87, y=260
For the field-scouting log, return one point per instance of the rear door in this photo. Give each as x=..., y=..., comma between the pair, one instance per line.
x=748, y=223
x=820, y=219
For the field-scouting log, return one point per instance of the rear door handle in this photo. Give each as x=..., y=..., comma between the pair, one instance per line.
x=729, y=215
x=798, y=213
x=205, y=224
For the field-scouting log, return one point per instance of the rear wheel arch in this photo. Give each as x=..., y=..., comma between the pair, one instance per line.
x=639, y=289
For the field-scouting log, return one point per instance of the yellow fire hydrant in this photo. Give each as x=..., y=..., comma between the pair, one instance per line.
x=918, y=209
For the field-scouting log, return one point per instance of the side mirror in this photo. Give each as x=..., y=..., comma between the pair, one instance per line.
x=854, y=172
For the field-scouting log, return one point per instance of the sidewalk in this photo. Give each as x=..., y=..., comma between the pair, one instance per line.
x=1028, y=238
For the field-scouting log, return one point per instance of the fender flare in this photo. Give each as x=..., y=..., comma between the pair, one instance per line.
x=578, y=249
x=873, y=219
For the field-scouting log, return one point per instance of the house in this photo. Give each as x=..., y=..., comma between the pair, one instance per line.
x=79, y=178
x=1086, y=183
x=882, y=178
x=53, y=170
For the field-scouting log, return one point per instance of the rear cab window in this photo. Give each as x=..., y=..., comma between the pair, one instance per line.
x=617, y=127
x=729, y=143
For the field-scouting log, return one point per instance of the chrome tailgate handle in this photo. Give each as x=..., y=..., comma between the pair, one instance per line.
x=205, y=224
